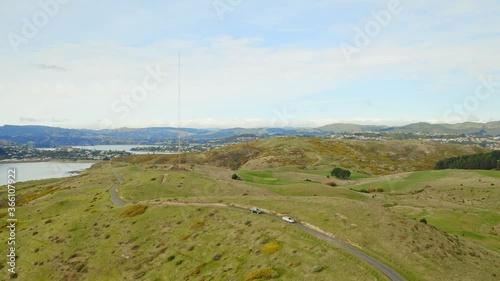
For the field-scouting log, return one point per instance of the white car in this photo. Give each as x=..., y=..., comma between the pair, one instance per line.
x=256, y=210
x=288, y=219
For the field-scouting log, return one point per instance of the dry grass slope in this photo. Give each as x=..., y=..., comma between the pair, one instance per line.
x=262, y=274
x=134, y=210
x=373, y=157
x=77, y=233
x=72, y=232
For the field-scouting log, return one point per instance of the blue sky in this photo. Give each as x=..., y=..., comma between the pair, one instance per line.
x=107, y=64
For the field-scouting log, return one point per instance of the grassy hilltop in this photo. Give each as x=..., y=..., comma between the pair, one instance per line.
x=69, y=229
x=372, y=157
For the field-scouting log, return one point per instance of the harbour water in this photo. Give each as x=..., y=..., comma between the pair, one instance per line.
x=40, y=170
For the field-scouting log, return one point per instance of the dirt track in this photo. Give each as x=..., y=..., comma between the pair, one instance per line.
x=389, y=272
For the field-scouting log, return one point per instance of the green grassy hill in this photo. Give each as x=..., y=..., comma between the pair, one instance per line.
x=373, y=157
x=461, y=202
x=69, y=229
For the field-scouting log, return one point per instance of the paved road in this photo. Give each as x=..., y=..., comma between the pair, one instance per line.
x=114, y=195
x=389, y=272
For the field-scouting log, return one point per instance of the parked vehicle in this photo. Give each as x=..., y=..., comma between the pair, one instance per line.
x=256, y=210
x=288, y=219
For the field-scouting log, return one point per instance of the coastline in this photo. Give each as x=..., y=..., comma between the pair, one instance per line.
x=11, y=161
x=49, y=169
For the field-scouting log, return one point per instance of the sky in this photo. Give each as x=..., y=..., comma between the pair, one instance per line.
x=294, y=63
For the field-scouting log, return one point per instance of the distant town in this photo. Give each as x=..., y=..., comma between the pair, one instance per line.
x=195, y=145
x=488, y=142
x=22, y=152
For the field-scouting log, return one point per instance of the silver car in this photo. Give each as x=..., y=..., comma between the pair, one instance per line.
x=256, y=210
x=288, y=219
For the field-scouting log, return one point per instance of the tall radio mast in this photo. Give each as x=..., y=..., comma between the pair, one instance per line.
x=179, y=113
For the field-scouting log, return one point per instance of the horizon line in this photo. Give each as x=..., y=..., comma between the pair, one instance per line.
x=257, y=127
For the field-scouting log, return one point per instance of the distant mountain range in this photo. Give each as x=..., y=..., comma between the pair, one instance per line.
x=43, y=136
x=490, y=128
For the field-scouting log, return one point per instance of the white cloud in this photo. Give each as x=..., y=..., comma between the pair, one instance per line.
x=231, y=73
x=232, y=79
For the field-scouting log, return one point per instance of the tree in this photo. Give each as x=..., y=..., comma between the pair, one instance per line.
x=345, y=174
x=341, y=173
x=480, y=161
x=235, y=177
x=336, y=172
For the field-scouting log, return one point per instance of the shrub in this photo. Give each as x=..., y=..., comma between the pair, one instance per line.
x=331, y=183
x=134, y=210
x=372, y=189
x=317, y=268
x=235, y=177
x=271, y=248
x=170, y=258
x=217, y=257
x=380, y=189
x=198, y=224
x=196, y=271
x=423, y=220
x=139, y=274
x=263, y=273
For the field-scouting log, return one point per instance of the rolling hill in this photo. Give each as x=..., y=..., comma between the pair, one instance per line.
x=70, y=229
x=490, y=128
x=371, y=157
x=43, y=136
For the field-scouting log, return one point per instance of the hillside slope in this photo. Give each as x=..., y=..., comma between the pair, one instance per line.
x=373, y=157
x=490, y=128
x=43, y=136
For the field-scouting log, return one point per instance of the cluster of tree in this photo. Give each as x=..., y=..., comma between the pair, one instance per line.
x=480, y=161
x=340, y=173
